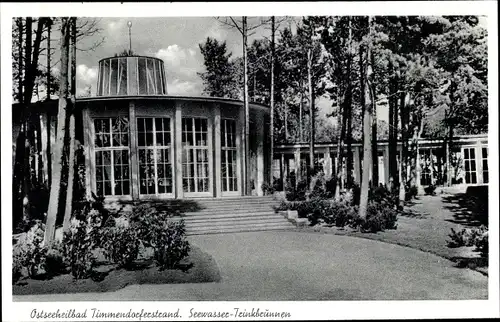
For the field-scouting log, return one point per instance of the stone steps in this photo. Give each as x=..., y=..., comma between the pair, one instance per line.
x=239, y=230
x=228, y=210
x=231, y=215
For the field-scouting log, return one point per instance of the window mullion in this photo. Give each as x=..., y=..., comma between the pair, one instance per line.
x=195, y=157
x=112, y=156
x=147, y=72
x=109, y=78
x=154, y=76
x=155, y=151
x=226, y=175
x=118, y=77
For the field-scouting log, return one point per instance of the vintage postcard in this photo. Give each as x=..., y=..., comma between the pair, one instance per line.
x=236, y=161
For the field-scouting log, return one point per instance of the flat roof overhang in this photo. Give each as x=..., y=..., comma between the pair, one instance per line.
x=51, y=105
x=227, y=101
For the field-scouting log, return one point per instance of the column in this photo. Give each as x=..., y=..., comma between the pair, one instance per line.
x=418, y=167
x=327, y=165
x=260, y=155
x=134, y=160
x=282, y=172
x=217, y=152
x=386, y=166
x=178, y=150
x=297, y=165
x=479, y=162
x=241, y=155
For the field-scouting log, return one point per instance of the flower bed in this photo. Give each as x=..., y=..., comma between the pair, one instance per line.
x=95, y=234
x=320, y=208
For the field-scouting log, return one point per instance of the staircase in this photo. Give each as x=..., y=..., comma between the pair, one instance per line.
x=236, y=214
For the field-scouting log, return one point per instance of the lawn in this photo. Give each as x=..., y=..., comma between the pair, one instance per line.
x=198, y=267
x=426, y=225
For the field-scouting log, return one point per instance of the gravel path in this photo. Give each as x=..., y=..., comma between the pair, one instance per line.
x=308, y=266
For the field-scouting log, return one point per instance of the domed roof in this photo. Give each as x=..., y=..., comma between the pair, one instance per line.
x=131, y=76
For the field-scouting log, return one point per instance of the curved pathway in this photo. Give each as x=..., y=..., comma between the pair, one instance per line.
x=307, y=266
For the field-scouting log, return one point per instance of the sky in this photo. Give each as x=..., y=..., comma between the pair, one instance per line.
x=173, y=39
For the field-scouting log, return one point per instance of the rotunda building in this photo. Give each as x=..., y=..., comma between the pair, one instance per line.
x=141, y=143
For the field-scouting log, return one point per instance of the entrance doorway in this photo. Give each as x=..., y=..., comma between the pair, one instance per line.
x=195, y=156
x=228, y=167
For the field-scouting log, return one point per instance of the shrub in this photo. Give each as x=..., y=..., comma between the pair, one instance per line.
x=146, y=220
x=468, y=237
x=268, y=189
x=284, y=205
x=340, y=213
x=379, y=217
x=16, y=270
x=430, y=190
x=54, y=261
x=297, y=193
x=120, y=244
x=79, y=242
x=356, y=193
x=170, y=245
x=314, y=210
x=481, y=244
x=323, y=187
x=381, y=195
x=157, y=230
x=38, y=197
x=410, y=193
x=28, y=252
x=38, y=201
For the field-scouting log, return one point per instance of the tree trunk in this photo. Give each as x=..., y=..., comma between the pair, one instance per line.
x=27, y=60
x=49, y=24
x=373, y=105
x=71, y=158
x=271, y=125
x=61, y=129
x=248, y=187
x=286, y=122
x=340, y=146
x=31, y=64
x=348, y=106
x=301, y=116
x=71, y=175
x=25, y=180
x=20, y=62
x=40, y=178
x=449, y=141
x=312, y=113
x=367, y=146
x=420, y=129
x=393, y=135
x=404, y=149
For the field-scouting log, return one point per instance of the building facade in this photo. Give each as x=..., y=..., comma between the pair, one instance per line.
x=469, y=161
x=141, y=143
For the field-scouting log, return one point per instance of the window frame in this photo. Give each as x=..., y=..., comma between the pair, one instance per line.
x=155, y=149
x=469, y=159
x=185, y=148
x=112, y=148
x=224, y=151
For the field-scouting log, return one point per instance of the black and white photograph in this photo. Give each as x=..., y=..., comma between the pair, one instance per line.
x=196, y=161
